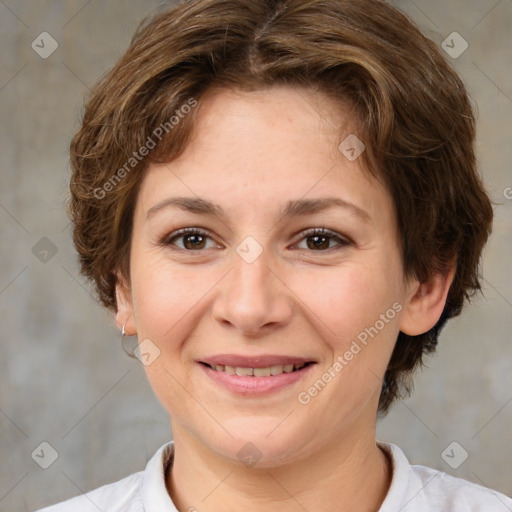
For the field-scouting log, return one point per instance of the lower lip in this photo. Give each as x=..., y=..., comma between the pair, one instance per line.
x=249, y=385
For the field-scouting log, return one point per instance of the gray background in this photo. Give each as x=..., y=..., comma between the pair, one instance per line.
x=64, y=378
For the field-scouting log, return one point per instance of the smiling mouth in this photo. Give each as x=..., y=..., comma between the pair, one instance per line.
x=268, y=371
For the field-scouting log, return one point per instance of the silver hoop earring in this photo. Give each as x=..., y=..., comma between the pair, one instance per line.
x=126, y=350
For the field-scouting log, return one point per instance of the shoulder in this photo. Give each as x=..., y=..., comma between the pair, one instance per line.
x=459, y=494
x=123, y=495
x=417, y=488
x=138, y=492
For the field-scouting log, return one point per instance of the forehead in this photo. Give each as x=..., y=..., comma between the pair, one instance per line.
x=284, y=119
x=260, y=149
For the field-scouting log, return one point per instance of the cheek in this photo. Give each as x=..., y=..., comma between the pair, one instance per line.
x=356, y=315
x=348, y=300
x=169, y=301
x=166, y=297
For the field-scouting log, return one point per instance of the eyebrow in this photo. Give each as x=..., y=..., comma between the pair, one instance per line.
x=293, y=208
x=188, y=204
x=310, y=206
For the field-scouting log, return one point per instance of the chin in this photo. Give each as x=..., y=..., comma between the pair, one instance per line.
x=260, y=441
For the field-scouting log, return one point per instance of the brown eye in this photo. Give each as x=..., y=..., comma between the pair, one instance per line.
x=317, y=242
x=190, y=240
x=194, y=241
x=321, y=239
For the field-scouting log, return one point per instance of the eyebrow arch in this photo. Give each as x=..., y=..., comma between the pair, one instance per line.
x=188, y=204
x=310, y=206
x=293, y=208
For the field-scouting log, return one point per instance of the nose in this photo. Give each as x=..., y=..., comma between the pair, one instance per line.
x=253, y=298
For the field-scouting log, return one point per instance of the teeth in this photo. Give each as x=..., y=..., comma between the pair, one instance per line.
x=262, y=372
x=276, y=370
x=244, y=371
x=257, y=372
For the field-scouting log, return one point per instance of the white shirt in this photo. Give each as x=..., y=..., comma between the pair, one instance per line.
x=413, y=489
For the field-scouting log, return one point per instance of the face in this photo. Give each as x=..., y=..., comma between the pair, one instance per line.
x=266, y=271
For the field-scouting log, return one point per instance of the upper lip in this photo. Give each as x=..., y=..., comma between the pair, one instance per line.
x=262, y=361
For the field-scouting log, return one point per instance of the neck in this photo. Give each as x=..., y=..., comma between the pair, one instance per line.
x=347, y=474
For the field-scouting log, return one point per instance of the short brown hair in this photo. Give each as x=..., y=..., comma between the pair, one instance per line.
x=415, y=120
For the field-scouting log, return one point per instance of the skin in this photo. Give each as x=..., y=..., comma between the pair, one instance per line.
x=251, y=153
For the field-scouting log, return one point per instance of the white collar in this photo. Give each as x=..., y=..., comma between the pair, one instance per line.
x=155, y=497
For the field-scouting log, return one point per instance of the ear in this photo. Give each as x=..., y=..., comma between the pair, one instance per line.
x=124, y=314
x=425, y=303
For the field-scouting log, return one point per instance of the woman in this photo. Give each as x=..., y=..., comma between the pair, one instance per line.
x=280, y=200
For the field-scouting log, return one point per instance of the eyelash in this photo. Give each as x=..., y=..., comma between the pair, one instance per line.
x=323, y=232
